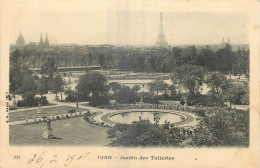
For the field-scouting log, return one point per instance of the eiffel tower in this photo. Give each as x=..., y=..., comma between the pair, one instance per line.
x=161, y=41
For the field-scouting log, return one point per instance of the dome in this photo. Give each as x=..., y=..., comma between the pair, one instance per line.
x=20, y=40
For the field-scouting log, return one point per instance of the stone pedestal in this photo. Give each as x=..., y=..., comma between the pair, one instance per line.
x=186, y=106
x=38, y=110
x=141, y=101
x=47, y=133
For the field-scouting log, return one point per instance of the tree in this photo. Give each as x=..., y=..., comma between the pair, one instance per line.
x=15, y=75
x=140, y=133
x=157, y=86
x=225, y=59
x=29, y=99
x=28, y=83
x=71, y=95
x=235, y=93
x=245, y=98
x=125, y=95
x=57, y=85
x=93, y=87
x=101, y=61
x=115, y=87
x=217, y=127
x=206, y=58
x=136, y=88
x=150, y=98
x=174, y=95
x=188, y=77
x=49, y=67
x=90, y=59
x=42, y=86
x=221, y=127
x=217, y=82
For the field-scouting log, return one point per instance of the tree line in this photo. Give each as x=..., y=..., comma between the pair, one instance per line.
x=93, y=86
x=26, y=82
x=223, y=60
x=186, y=83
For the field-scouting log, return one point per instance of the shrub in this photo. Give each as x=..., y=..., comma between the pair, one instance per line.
x=30, y=100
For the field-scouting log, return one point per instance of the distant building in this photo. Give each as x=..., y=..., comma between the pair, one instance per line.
x=161, y=41
x=20, y=43
x=20, y=40
x=223, y=44
x=44, y=44
x=33, y=44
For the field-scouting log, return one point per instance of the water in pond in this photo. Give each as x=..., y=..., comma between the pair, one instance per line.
x=129, y=117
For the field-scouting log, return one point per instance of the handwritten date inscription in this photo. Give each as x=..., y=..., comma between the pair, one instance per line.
x=45, y=158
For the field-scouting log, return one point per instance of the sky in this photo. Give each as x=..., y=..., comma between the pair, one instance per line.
x=125, y=27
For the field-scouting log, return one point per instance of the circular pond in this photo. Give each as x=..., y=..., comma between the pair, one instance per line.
x=129, y=117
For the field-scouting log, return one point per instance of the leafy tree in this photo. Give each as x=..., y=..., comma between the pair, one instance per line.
x=90, y=59
x=217, y=127
x=15, y=75
x=125, y=95
x=236, y=92
x=150, y=98
x=93, y=86
x=245, y=98
x=206, y=58
x=42, y=85
x=140, y=133
x=225, y=59
x=188, y=77
x=174, y=94
x=115, y=87
x=221, y=127
x=29, y=99
x=57, y=85
x=217, y=82
x=49, y=67
x=29, y=83
x=136, y=88
x=71, y=95
x=101, y=61
x=157, y=86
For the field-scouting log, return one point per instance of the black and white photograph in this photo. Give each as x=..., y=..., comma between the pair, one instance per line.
x=126, y=78
x=161, y=87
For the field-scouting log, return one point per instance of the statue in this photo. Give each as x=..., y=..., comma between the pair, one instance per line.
x=185, y=105
x=141, y=101
x=49, y=124
x=48, y=130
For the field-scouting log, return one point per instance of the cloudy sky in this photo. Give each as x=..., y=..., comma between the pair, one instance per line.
x=83, y=26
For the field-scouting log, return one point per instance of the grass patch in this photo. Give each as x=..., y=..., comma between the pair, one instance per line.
x=74, y=131
x=30, y=114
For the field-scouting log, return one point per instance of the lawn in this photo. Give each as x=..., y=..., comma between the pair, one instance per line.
x=50, y=111
x=74, y=131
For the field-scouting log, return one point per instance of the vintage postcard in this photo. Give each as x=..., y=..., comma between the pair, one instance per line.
x=129, y=84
